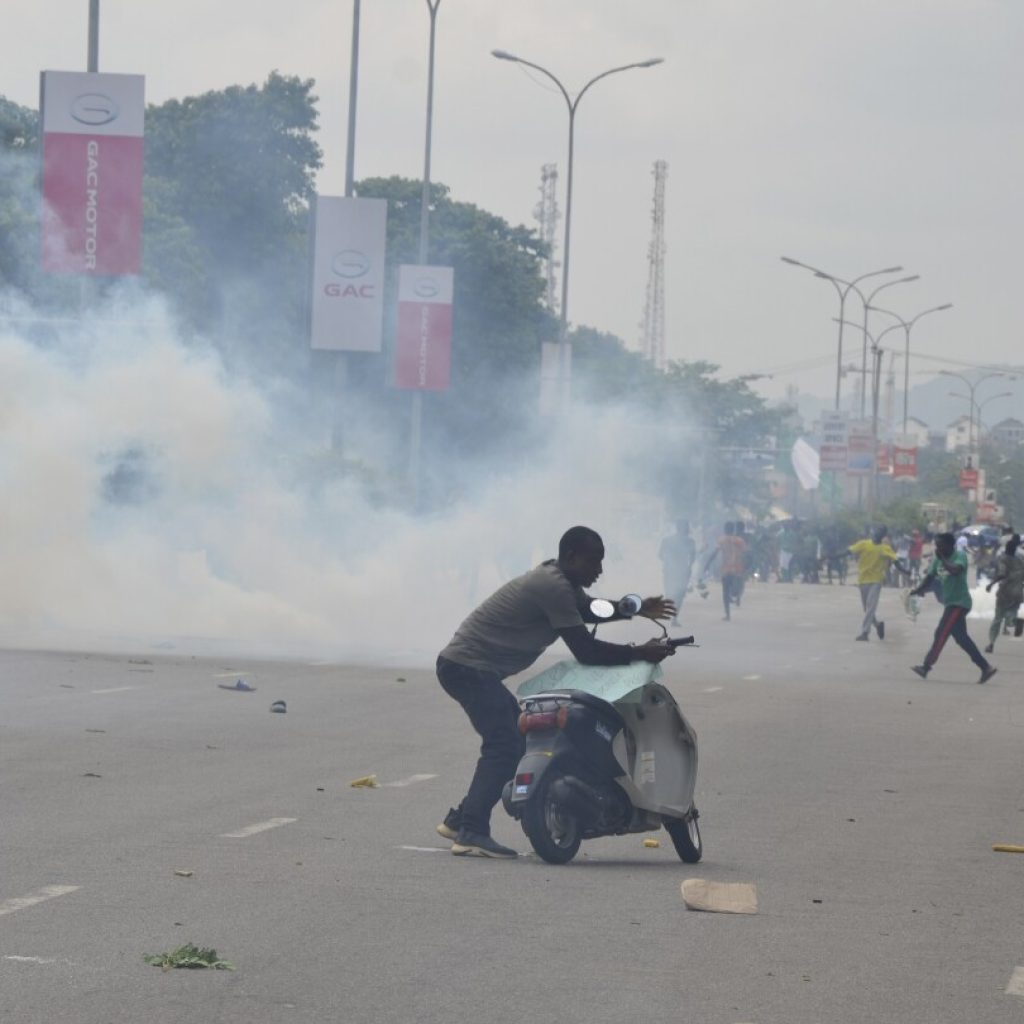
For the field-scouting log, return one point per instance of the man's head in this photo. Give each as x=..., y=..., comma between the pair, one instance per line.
x=683, y=526
x=580, y=554
x=945, y=544
x=730, y=529
x=879, y=534
x=740, y=528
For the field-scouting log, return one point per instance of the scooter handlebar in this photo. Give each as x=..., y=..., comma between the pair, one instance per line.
x=682, y=641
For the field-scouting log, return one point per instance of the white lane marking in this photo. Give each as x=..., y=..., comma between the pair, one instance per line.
x=410, y=781
x=260, y=826
x=30, y=959
x=1016, y=986
x=115, y=689
x=48, y=892
x=750, y=678
x=423, y=849
x=713, y=689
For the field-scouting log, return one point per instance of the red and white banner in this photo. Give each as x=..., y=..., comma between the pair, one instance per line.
x=349, y=238
x=860, y=451
x=92, y=172
x=832, y=450
x=904, y=457
x=423, y=337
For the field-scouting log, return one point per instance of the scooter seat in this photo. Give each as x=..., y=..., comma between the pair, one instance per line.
x=588, y=700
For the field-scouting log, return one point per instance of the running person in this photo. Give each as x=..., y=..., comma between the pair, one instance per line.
x=1010, y=577
x=873, y=558
x=950, y=566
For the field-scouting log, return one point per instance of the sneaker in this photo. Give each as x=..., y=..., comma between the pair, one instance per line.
x=476, y=844
x=921, y=670
x=880, y=630
x=989, y=648
x=449, y=828
x=987, y=674
x=862, y=636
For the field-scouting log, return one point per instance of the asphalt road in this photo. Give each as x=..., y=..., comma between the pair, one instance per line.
x=861, y=801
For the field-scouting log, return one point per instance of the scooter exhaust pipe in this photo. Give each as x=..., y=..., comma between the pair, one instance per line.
x=578, y=797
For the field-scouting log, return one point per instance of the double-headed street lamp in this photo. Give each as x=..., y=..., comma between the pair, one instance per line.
x=571, y=103
x=907, y=327
x=843, y=288
x=972, y=387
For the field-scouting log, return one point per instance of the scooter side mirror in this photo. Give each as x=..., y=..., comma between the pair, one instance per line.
x=630, y=605
x=602, y=609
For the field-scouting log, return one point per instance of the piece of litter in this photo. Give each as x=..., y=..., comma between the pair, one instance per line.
x=91, y=775
x=816, y=901
x=651, y=844
x=95, y=730
x=1007, y=848
x=320, y=789
x=279, y=707
x=238, y=686
x=184, y=874
x=400, y=679
x=719, y=897
x=365, y=782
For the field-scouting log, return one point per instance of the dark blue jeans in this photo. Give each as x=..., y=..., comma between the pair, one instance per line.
x=494, y=713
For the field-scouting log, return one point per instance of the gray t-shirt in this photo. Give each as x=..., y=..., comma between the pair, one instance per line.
x=511, y=629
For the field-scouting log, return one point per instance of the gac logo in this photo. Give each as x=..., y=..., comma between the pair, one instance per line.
x=426, y=287
x=94, y=109
x=350, y=263
x=349, y=291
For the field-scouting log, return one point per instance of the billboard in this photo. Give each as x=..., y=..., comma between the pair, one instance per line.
x=832, y=451
x=423, y=336
x=92, y=172
x=860, y=451
x=904, y=457
x=348, y=244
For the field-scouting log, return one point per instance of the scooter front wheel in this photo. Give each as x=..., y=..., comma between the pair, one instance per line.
x=685, y=835
x=552, y=830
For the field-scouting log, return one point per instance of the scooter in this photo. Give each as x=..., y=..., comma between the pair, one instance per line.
x=608, y=752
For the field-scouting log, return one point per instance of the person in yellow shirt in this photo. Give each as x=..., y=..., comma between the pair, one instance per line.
x=873, y=558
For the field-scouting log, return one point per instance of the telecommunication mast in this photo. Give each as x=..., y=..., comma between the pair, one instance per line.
x=547, y=216
x=652, y=338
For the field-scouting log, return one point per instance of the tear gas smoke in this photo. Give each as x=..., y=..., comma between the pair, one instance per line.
x=154, y=497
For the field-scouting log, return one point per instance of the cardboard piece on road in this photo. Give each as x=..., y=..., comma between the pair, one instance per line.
x=1007, y=848
x=720, y=897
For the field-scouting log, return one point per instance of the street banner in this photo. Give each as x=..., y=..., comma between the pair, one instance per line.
x=904, y=457
x=860, y=449
x=92, y=172
x=968, y=479
x=883, y=457
x=423, y=335
x=832, y=450
x=347, y=308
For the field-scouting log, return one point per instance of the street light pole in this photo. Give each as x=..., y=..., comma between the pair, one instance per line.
x=972, y=387
x=907, y=327
x=843, y=293
x=572, y=104
x=867, y=308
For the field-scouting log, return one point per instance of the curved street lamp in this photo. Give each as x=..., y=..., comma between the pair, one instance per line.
x=907, y=327
x=842, y=292
x=972, y=387
x=867, y=308
x=571, y=103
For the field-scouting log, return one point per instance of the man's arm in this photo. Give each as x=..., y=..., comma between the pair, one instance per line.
x=588, y=650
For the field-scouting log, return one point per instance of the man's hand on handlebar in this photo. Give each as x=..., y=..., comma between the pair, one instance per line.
x=658, y=608
x=653, y=651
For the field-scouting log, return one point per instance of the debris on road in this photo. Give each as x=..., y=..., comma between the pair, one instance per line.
x=189, y=956
x=1007, y=848
x=91, y=775
x=365, y=782
x=719, y=897
x=651, y=844
x=279, y=707
x=183, y=874
x=238, y=686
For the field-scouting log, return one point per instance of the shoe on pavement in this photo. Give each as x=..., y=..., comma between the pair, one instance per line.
x=449, y=828
x=921, y=670
x=880, y=630
x=476, y=844
x=988, y=673
x=861, y=636
x=989, y=648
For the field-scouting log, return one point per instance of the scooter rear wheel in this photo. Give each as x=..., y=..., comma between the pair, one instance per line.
x=685, y=835
x=553, y=832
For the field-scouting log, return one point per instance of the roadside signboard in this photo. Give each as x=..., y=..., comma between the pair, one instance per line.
x=423, y=337
x=347, y=313
x=860, y=452
x=968, y=479
x=832, y=451
x=883, y=458
x=904, y=457
x=92, y=172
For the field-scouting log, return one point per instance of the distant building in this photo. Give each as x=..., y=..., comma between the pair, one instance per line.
x=958, y=434
x=1007, y=433
x=918, y=430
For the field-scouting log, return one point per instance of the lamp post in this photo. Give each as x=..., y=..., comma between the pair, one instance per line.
x=572, y=104
x=972, y=387
x=867, y=308
x=907, y=327
x=843, y=292
x=979, y=406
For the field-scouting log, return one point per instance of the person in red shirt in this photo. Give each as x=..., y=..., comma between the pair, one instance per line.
x=733, y=552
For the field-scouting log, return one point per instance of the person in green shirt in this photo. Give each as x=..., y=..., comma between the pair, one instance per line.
x=950, y=567
x=873, y=558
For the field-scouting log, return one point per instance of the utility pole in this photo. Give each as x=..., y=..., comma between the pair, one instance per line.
x=93, y=61
x=652, y=340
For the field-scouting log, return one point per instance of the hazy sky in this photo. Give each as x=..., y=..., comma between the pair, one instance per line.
x=850, y=135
